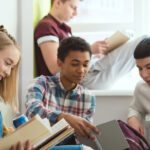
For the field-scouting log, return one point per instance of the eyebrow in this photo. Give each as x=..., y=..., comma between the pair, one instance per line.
x=76, y=60
x=147, y=65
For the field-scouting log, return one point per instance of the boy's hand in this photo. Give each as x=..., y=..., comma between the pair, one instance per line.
x=99, y=47
x=82, y=126
x=135, y=123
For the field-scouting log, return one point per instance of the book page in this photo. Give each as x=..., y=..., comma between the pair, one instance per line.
x=55, y=129
x=116, y=40
x=58, y=139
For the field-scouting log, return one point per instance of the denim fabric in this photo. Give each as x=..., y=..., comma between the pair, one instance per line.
x=1, y=125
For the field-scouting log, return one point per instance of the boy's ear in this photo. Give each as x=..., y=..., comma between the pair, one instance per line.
x=59, y=62
x=57, y=3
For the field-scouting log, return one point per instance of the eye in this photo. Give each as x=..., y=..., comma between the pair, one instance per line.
x=85, y=65
x=74, y=65
x=7, y=63
x=148, y=67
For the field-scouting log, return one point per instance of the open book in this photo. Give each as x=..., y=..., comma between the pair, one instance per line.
x=42, y=136
x=116, y=40
x=111, y=137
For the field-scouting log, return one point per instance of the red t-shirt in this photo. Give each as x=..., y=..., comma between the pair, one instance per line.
x=48, y=26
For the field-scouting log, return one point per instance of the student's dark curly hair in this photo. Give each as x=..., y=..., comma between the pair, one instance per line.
x=72, y=44
x=143, y=49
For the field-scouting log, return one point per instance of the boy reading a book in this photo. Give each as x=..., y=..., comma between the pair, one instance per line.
x=140, y=105
x=62, y=96
x=103, y=71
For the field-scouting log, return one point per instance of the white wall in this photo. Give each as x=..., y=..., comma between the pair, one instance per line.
x=111, y=107
x=8, y=15
x=8, y=18
x=25, y=34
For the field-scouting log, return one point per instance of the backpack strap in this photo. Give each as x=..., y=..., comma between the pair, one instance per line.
x=136, y=133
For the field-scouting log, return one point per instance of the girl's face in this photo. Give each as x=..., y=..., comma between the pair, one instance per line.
x=9, y=58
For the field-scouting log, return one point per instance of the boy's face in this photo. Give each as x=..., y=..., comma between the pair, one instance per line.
x=144, y=68
x=74, y=67
x=68, y=9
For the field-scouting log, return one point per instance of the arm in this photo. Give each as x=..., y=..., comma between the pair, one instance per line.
x=82, y=124
x=49, y=53
x=136, y=124
x=136, y=110
x=36, y=103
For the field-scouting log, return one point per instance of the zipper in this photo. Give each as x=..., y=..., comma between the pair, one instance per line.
x=133, y=141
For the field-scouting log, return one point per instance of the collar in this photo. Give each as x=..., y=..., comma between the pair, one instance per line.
x=61, y=85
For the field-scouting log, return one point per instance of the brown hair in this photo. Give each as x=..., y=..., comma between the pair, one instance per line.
x=9, y=85
x=52, y=2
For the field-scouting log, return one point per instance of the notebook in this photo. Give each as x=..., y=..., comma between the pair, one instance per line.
x=111, y=137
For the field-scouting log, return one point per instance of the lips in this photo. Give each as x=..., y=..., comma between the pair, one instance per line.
x=79, y=77
x=148, y=81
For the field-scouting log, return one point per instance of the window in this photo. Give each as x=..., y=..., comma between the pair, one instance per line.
x=98, y=19
x=108, y=11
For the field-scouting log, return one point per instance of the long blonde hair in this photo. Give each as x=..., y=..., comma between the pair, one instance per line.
x=9, y=85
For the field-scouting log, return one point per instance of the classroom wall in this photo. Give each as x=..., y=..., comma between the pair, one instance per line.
x=111, y=107
x=9, y=18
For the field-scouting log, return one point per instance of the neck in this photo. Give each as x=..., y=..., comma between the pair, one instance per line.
x=55, y=14
x=68, y=85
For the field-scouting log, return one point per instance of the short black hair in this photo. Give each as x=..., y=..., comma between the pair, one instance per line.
x=143, y=49
x=72, y=44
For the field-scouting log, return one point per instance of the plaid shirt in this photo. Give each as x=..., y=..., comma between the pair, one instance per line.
x=47, y=97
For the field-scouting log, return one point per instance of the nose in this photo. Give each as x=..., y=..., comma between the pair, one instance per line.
x=75, y=12
x=7, y=71
x=81, y=69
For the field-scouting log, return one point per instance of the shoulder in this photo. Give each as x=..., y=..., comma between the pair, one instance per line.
x=45, y=27
x=44, y=80
x=142, y=85
x=142, y=88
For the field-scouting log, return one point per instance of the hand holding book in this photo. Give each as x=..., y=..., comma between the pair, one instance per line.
x=41, y=139
x=115, y=41
x=101, y=48
x=81, y=126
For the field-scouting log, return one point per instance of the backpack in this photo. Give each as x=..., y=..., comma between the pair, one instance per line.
x=135, y=140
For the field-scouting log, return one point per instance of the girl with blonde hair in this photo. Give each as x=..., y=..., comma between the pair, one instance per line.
x=10, y=55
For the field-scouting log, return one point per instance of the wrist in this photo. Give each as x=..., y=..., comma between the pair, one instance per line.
x=61, y=115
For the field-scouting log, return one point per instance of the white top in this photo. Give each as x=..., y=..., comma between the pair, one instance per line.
x=140, y=106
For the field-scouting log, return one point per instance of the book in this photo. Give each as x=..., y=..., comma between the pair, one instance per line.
x=111, y=137
x=39, y=132
x=116, y=40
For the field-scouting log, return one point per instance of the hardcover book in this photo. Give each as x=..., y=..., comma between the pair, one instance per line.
x=41, y=134
x=116, y=40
